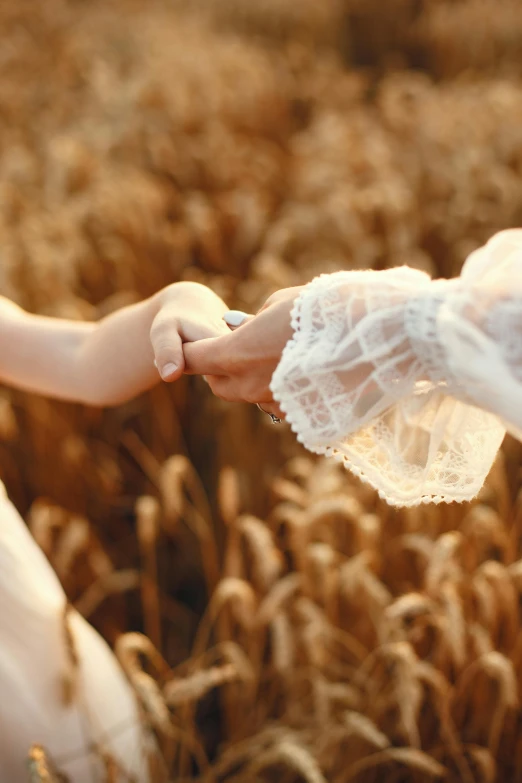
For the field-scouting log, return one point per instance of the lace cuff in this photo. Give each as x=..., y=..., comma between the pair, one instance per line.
x=365, y=379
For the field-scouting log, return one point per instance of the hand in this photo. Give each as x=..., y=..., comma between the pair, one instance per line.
x=187, y=312
x=239, y=366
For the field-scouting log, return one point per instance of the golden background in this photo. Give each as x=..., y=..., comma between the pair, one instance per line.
x=309, y=632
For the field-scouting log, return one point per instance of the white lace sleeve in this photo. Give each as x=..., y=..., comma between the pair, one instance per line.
x=411, y=382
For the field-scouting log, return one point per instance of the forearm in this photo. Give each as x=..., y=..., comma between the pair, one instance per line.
x=115, y=360
x=102, y=363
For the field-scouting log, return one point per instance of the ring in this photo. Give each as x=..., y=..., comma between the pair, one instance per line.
x=275, y=419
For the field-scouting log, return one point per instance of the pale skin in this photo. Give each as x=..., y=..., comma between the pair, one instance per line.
x=107, y=362
x=239, y=365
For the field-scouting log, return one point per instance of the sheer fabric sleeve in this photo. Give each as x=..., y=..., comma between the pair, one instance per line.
x=411, y=382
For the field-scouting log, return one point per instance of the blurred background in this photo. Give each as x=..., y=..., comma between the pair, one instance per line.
x=309, y=632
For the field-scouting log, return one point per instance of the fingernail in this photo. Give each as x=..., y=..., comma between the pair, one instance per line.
x=234, y=317
x=168, y=369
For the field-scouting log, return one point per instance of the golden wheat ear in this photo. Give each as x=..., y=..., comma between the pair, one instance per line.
x=41, y=767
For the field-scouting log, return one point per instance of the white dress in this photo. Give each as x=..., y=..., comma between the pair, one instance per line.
x=39, y=650
x=411, y=382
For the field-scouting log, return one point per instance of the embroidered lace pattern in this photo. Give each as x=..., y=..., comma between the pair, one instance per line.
x=410, y=382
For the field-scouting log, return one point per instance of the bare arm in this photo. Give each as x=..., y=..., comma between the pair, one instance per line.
x=112, y=360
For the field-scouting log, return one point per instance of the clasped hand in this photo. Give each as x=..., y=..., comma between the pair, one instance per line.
x=238, y=364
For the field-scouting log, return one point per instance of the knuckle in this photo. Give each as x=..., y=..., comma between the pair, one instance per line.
x=221, y=388
x=274, y=298
x=156, y=331
x=163, y=335
x=265, y=305
x=251, y=391
x=165, y=320
x=165, y=347
x=219, y=392
x=189, y=288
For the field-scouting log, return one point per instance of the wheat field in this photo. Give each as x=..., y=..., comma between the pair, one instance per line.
x=277, y=621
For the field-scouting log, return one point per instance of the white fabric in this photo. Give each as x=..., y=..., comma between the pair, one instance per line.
x=35, y=659
x=411, y=382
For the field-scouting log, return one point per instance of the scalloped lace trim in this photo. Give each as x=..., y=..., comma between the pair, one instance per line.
x=355, y=386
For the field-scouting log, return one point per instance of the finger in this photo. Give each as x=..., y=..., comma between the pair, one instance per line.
x=236, y=318
x=224, y=388
x=202, y=357
x=168, y=349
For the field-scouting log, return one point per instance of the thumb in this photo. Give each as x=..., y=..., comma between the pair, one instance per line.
x=168, y=350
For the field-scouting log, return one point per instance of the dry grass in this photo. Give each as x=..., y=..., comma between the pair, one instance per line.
x=279, y=623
